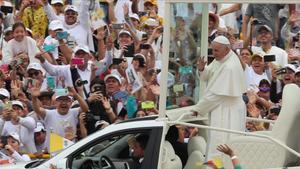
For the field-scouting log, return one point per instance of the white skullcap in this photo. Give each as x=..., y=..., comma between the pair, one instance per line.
x=222, y=40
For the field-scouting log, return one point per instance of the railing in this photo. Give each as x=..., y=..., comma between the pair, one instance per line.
x=177, y=122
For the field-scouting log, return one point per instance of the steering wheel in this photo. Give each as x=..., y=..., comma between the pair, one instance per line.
x=110, y=163
x=88, y=164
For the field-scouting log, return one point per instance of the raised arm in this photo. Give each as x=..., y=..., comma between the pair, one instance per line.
x=51, y=15
x=111, y=12
x=82, y=103
x=35, y=93
x=246, y=20
x=83, y=14
x=65, y=50
x=50, y=68
x=232, y=8
x=27, y=122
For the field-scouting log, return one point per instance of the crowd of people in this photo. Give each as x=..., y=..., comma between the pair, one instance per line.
x=73, y=68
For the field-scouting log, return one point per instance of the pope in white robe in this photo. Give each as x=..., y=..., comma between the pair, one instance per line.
x=222, y=99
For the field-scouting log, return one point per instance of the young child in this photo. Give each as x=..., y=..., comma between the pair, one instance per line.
x=12, y=149
x=22, y=43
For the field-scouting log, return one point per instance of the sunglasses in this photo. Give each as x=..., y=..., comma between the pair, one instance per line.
x=33, y=73
x=264, y=89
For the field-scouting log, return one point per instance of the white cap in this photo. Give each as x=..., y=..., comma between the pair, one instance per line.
x=82, y=47
x=115, y=75
x=266, y=27
x=17, y=103
x=39, y=127
x=7, y=30
x=259, y=54
x=29, y=30
x=15, y=136
x=222, y=40
x=98, y=23
x=297, y=70
x=123, y=31
x=35, y=66
x=151, y=22
x=135, y=16
x=140, y=54
x=57, y=1
x=55, y=25
x=4, y=92
x=70, y=97
x=291, y=67
x=72, y=8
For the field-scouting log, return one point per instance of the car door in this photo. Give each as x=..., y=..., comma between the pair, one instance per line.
x=115, y=150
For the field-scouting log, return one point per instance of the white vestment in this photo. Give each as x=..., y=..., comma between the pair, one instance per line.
x=222, y=99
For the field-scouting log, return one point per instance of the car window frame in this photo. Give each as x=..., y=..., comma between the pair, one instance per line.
x=151, y=152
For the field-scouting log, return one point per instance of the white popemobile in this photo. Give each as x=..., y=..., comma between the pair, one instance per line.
x=110, y=148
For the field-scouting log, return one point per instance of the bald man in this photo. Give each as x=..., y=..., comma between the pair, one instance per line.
x=222, y=100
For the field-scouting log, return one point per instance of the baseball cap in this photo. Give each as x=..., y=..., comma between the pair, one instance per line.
x=15, y=136
x=135, y=16
x=39, y=127
x=55, y=25
x=257, y=55
x=58, y=96
x=7, y=30
x=123, y=31
x=153, y=2
x=4, y=92
x=82, y=47
x=113, y=75
x=291, y=67
x=151, y=22
x=72, y=8
x=35, y=66
x=98, y=23
x=46, y=93
x=57, y=2
x=297, y=70
x=141, y=58
x=222, y=40
x=264, y=27
x=29, y=31
x=17, y=103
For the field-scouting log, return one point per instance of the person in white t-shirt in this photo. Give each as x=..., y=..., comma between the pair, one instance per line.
x=256, y=71
x=20, y=123
x=75, y=22
x=63, y=120
x=21, y=43
x=265, y=37
x=58, y=5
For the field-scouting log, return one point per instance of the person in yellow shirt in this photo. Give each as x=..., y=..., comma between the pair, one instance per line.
x=33, y=16
x=151, y=9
